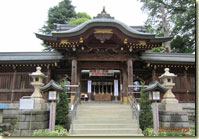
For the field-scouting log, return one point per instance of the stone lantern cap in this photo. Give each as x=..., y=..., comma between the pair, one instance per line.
x=167, y=74
x=38, y=73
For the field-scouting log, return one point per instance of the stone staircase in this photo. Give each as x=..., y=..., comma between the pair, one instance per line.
x=104, y=119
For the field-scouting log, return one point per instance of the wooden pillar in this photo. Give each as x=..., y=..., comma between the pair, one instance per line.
x=186, y=85
x=79, y=80
x=130, y=73
x=73, y=78
x=154, y=77
x=48, y=74
x=13, y=84
x=125, y=83
x=121, y=85
x=78, y=76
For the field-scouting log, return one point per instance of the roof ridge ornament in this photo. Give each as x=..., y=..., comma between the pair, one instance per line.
x=103, y=14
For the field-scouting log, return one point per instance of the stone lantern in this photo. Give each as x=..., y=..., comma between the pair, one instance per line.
x=171, y=103
x=38, y=77
x=171, y=114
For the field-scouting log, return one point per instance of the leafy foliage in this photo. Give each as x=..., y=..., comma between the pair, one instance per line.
x=193, y=131
x=45, y=133
x=178, y=20
x=1, y=130
x=145, y=117
x=59, y=127
x=149, y=132
x=157, y=49
x=172, y=134
x=80, y=18
x=59, y=131
x=62, y=107
x=180, y=41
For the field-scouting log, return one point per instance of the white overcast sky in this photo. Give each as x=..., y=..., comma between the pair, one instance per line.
x=19, y=19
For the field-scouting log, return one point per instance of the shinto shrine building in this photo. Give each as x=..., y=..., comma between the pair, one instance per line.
x=98, y=55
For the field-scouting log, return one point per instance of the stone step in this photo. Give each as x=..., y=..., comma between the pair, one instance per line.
x=104, y=110
x=105, y=131
x=103, y=113
x=103, y=106
x=104, y=126
x=105, y=121
x=105, y=135
x=106, y=116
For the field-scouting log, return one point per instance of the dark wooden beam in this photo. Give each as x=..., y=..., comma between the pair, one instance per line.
x=100, y=65
x=100, y=57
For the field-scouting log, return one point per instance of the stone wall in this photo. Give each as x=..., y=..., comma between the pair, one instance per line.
x=9, y=119
x=173, y=119
x=191, y=111
x=30, y=120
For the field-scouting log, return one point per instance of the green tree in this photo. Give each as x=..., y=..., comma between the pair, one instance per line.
x=172, y=18
x=62, y=107
x=63, y=13
x=59, y=14
x=80, y=18
x=145, y=116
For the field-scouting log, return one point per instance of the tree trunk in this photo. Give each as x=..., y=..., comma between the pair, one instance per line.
x=165, y=28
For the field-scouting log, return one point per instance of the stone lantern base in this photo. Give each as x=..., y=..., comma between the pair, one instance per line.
x=170, y=103
x=170, y=107
x=39, y=104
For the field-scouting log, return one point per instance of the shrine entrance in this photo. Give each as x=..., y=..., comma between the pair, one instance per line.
x=100, y=85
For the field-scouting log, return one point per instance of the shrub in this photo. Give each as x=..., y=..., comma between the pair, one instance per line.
x=59, y=131
x=193, y=131
x=62, y=107
x=149, y=132
x=172, y=134
x=1, y=130
x=59, y=128
x=145, y=116
x=45, y=133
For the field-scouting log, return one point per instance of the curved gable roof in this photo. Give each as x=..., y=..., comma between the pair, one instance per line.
x=102, y=22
